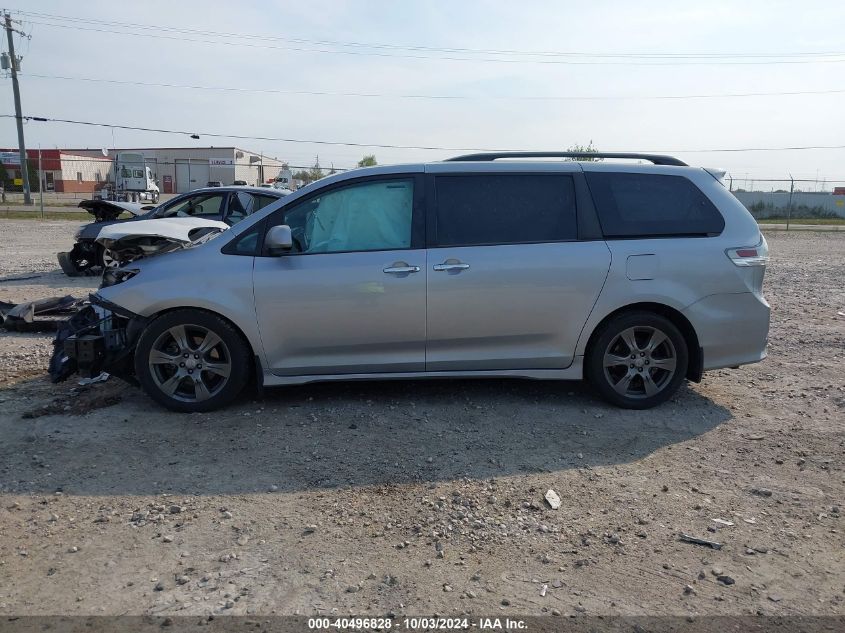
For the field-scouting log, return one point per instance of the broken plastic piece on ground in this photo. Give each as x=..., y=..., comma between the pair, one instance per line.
x=21, y=317
x=553, y=499
x=103, y=377
x=723, y=522
x=19, y=278
x=699, y=541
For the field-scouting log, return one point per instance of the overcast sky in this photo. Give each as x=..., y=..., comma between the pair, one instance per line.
x=501, y=107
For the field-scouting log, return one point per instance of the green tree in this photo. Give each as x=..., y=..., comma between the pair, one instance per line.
x=369, y=160
x=586, y=149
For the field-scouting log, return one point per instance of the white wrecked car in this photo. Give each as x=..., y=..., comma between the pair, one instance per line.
x=128, y=241
x=213, y=206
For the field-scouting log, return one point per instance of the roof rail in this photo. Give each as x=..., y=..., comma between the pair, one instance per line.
x=656, y=159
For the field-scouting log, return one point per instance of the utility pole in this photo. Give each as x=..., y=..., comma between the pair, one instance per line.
x=40, y=182
x=27, y=196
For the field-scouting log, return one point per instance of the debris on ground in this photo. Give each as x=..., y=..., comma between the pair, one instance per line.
x=761, y=492
x=80, y=401
x=686, y=538
x=553, y=499
x=103, y=377
x=21, y=317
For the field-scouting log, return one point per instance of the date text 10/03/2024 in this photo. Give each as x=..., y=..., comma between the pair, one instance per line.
x=421, y=623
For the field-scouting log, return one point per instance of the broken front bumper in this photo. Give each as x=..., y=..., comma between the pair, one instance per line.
x=82, y=259
x=100, y=337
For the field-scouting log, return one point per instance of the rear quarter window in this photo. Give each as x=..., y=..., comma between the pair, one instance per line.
x=652, y=205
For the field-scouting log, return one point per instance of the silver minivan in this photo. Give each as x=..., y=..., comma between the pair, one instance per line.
x=634, y=276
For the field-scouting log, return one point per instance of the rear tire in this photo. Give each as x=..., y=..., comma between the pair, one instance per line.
x=637, y=360
x=192, y=360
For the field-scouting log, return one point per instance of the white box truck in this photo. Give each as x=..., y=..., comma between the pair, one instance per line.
x=284, y=180
x=131, y=180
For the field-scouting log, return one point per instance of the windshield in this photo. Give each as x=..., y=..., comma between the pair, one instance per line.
x=205, y=205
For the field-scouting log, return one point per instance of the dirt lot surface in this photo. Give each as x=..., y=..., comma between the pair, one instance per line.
x=428, y=497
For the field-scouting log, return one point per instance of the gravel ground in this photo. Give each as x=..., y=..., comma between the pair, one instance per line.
x=427, y=497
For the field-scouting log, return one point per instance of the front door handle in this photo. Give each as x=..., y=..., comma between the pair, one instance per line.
x=400, y=270
x=450, y=266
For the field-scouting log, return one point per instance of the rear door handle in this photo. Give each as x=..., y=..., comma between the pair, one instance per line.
x=399, y=270
x=450, y=266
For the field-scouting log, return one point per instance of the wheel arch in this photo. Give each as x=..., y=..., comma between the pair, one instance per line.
x=234, y=325
x=256, y=369
x=242, y=369
x=696, y=357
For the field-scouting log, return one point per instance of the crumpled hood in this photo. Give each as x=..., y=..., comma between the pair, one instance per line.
x=176, y=229
x=105, y=210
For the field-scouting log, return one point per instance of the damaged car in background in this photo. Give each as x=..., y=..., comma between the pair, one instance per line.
x=127, y=242
x=207, y=207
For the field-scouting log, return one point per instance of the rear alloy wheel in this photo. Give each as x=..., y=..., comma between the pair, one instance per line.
x=190, y=360
x=638, y=360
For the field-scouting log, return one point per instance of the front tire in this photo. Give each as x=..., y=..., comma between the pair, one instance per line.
x=192, y=360
x=637, y=360
x=107, y=258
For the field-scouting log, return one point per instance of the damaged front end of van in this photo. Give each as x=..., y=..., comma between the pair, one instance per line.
x=100, y=337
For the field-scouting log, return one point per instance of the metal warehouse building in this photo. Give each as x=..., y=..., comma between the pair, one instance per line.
x=181, y=169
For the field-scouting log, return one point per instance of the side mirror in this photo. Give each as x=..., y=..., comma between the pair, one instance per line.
x=279, y=240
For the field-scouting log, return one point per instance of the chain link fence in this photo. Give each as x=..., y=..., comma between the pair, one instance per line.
x=62, y=184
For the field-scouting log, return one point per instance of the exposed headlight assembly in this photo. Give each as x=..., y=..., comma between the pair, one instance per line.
x=114, y=276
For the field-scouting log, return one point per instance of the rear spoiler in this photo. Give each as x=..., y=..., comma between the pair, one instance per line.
x=717, y=172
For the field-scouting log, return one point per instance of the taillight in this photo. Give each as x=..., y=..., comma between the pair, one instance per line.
x=756, y=255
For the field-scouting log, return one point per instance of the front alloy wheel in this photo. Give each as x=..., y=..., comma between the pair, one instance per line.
x=190, y=363
x=192, y=360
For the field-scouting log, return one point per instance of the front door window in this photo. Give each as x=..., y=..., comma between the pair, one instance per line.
x=373, y=216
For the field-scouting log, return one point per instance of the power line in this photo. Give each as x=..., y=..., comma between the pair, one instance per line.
x=435, y=96
x=244, y=137
x=253, y=36
x=703, y=62
x=391, y=146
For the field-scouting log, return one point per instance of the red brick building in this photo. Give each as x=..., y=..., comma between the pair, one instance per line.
x=60, y=171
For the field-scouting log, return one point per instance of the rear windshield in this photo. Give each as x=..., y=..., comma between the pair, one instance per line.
x=652, y=205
